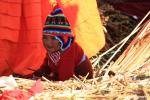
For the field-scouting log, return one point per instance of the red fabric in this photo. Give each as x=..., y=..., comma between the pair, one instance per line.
x=68, y=61
x=21, y=23
x=18, y=94
x=134, y=7
x=14, y=95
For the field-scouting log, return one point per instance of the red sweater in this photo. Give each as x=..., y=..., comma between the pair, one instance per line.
x=65, y=68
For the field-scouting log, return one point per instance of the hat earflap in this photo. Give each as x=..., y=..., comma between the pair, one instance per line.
x=64, y=45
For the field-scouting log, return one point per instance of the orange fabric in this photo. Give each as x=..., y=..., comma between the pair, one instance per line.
x=21, y=23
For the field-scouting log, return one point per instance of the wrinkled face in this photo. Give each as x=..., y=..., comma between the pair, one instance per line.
x=50, y=43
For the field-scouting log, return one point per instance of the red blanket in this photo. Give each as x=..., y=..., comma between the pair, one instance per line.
x=134, y=7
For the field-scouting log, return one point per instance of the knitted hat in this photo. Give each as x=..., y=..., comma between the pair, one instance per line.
x=57, y=25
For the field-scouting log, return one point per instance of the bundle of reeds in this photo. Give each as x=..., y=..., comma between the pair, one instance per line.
x=137, y=54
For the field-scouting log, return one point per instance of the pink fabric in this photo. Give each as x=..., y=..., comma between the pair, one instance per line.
x=18, y=94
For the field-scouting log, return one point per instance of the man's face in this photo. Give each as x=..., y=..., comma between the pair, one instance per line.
x=50, y=43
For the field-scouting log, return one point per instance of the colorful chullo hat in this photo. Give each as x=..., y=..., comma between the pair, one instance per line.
x=58, y=26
